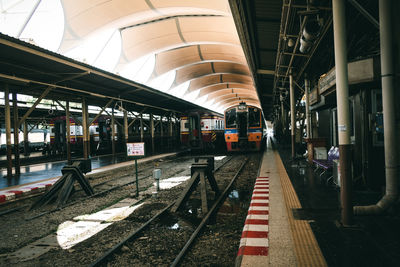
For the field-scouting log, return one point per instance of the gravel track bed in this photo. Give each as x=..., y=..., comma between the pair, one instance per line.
x=18, y=232
x=161, y=242
x=218, y=244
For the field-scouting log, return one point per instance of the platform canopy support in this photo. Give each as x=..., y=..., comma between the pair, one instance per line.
x=101, y=111
x=152, y=132
x=26, y=139
x=68, y=130
x=161, y=132
x=126, y=134
x=17, y=162
x=342, y=98
x=170, y=143
x=85, y=126
x=32, y=108
x=113, y=132
x=7, y=118
x=141, y=127
x=308, y=114
x=76, y=120
x=292, y=116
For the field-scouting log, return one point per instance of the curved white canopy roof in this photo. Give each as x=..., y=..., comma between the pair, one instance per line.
x=192, y=43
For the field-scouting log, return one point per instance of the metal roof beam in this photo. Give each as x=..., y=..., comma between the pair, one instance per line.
x=45, y=92
x=365, y=13
x=265, y=72
x=72, y=115
x=101, y=111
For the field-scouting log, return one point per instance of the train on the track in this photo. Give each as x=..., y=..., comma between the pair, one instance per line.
x=100, y=135
x=244, y=128
x=202, y=130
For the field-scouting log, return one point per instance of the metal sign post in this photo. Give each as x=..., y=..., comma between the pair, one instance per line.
x=137, y=179
x=135, y=150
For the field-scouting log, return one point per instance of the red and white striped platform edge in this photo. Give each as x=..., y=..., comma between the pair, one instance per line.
x=10, y=194
x=254, y=241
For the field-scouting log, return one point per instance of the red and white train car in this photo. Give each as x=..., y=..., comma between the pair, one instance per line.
x=99, y=130
x=201, y=130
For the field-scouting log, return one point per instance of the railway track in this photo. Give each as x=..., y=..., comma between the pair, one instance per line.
x=151, y=225
x=108, y=186
x=41, y=233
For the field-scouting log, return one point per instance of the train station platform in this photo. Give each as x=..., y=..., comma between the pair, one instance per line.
x=298, y=216
x=271, y=235
x=42, y=181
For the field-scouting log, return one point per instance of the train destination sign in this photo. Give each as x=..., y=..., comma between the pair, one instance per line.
x=135, y=149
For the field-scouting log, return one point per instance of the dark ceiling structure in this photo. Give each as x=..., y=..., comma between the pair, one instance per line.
x=283, y=36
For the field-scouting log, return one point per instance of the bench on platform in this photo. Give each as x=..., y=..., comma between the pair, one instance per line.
x=327, y=164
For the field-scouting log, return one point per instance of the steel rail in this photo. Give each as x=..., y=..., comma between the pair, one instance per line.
x=120, y=244
x=4, y=212
x=83, y=199
x=220, y=166
x=98, y=194
x=132, y=235
x=207, y=217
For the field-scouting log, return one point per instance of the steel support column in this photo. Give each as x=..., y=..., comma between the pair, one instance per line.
x=125, y=128
x=161, y=134
x=342, y=97
x=17, y=163
x=7, y=114
x=391, y=136
x=112, y=132
x=26, y=139
x=292, y=116
x=141, y=127
x=308, y=114
x=152, y=132
x=283, y=121
x=68, y=130
x=85, y=128
x=37, y=102
x=170, y=145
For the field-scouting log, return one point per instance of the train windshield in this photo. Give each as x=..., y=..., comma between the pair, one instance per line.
x=230, y=116
x=254, y=117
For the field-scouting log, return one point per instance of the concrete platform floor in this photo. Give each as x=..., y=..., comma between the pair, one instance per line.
x=272, y=235
x=373, y=241
x=40, y=171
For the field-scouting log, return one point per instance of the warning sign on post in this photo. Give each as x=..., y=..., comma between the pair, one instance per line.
x=135, y=149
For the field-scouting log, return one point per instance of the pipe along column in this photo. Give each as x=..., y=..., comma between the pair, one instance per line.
x=389, y=113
